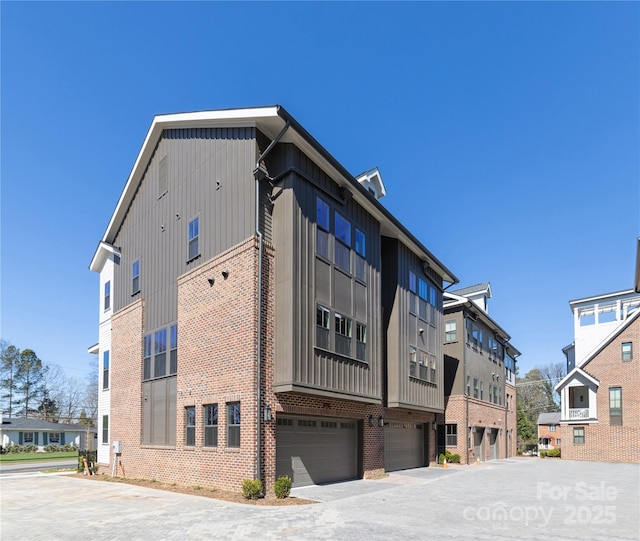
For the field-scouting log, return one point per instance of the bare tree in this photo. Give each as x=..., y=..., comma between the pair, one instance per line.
x=91, y=394
x=553, y=373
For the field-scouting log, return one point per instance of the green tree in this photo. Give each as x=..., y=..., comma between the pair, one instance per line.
x=29, y=379
x=9, y=357
x=48, y=408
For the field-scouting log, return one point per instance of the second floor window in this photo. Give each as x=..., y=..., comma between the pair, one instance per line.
x=322, y=326
x=155, y=363
x=476, y=388
x=160, y=353
x=135, y=277
x=193, y=236
x=361, y=341
x=105, y=370
x=343, y=335
x=361, y=255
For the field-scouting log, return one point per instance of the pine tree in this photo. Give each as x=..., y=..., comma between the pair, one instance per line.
x=29, y=380
x=9, y=357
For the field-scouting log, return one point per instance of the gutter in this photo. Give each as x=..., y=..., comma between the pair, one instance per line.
x=258, y=175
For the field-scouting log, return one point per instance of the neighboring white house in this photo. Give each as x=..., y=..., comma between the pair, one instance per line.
x=42, y=433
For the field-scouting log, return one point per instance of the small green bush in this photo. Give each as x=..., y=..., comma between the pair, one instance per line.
x=553, y=453
x=519, y=452
x=454, y=459
x=543, y=453
x=13, y=448
x=29, y=448
x=442, y=458
x=282, y=486
x=251, y=489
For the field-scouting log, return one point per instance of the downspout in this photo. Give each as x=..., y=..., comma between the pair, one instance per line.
x=259, y=174
x=466, y=393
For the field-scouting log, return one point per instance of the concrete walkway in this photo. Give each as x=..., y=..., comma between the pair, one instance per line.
x=510, y=499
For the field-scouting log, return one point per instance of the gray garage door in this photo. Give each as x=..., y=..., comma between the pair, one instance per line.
x=403, y=446
x=316, y=450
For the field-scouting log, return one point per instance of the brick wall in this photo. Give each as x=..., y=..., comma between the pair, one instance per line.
x=604, y=442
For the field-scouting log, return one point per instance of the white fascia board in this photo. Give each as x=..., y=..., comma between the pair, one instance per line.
x=220, y=118
x=100, y=257
x=573, y=375
x=588, y=300
x=93, y=350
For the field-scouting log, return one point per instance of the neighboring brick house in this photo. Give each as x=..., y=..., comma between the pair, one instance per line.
x=261, y=313
x=479, y=422
x=600, y=395
x=549, y=431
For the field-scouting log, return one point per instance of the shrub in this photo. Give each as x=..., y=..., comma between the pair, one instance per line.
x=282, y=486
x=519, y=452
x=13, y=448
x=29, y=448
x=51, y=448
x=442, y=458
x=543, y=453
x=252, y=489
x=554, y=453
x=455, y=458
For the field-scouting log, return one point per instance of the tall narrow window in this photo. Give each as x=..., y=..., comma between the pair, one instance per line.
x=194, y=234
x=423, y=294
x=160, y=353
x=105, y=370
x=578, y=435
x=627, y=351
x=322, y=228
x=146, y=363
x=468, y=385
x=343, y=247
x=450, y=331
x=343, y=335
x=361, y=255
x=211, y=425
x=135, y=277
x=413, y=368
x=105, y=429
x=233, y=424
x=173, y=351
x=107, y=295
x=322, y=326
x=476, y=389
x=615, y=406
x=361, y=341
x=413, y=293
x=190, y=425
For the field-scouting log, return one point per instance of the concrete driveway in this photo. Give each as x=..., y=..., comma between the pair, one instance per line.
x=508, y=499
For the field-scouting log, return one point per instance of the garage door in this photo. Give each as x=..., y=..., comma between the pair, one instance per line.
x=403, y=446
x=316, y=450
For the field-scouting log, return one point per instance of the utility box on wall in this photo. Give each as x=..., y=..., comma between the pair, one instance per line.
x=117, y=446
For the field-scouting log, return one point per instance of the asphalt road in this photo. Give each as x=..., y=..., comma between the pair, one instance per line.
x=38, y=466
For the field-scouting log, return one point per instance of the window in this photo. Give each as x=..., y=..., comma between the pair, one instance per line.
x=468, y=385
x=190, y=425
x=482, y=390
x=432, y=368
x=552, y=428
x=160, y=353
x=475, y=388
x=54, y=437
x=322, y=326
x=322, y=228
x=452, y=435
x=557, y=441
x=135, y=277
x=146, y=363
x=343, y=248
x=343, y=334
x=105, y=429
x=361, y=341
x=450, y=331
x=211, y=425
x=412, y=361
x=490, y=393
x=193, y=236
x=423, y=294
x=107, y=295
x=361, y=255
x=173, y=352
x=413, y=295
x=578, y=436
x=233, y=424
x=586, y=316
x=28, y=437
x=627, y=351
x=615, y=406
x=105, y=370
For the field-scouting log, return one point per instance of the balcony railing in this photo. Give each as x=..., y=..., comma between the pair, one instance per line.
x=578, y=413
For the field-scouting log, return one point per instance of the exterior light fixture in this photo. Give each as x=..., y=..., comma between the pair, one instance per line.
x=225, y=274
x=211, y=281
x=380, y=421
x=435, y=425
x=267, y=412
x=371, y=420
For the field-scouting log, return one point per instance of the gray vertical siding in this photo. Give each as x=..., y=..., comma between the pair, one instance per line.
x=302, y=280
x=208, y=175
x=402, y=390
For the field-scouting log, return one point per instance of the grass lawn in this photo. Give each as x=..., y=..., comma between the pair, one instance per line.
x=21, y=458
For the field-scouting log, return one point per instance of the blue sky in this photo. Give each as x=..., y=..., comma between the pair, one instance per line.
x=507, y=135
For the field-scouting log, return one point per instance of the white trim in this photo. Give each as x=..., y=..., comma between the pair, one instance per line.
x=572, y=375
